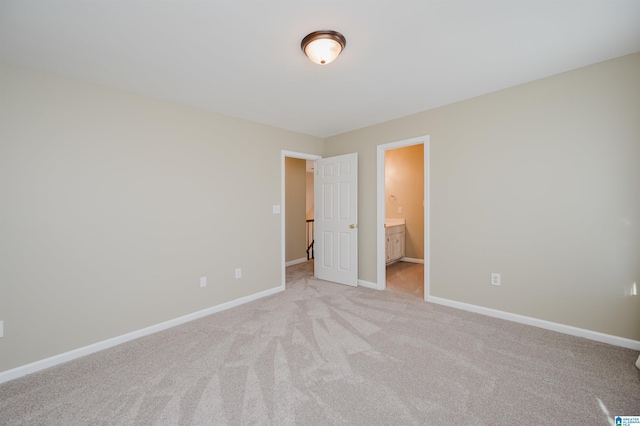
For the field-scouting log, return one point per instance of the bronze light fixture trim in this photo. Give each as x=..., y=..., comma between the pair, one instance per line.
x=324, y=46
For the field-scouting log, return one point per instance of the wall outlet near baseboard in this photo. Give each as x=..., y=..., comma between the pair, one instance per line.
x=495, y=279
x=238, y=273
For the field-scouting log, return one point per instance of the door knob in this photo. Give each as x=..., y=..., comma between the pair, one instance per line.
x=352, y=226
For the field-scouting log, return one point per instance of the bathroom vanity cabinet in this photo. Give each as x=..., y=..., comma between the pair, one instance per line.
x=395, y=242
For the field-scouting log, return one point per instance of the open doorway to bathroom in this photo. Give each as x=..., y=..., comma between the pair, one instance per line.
x=403, y=216
x=404, y=219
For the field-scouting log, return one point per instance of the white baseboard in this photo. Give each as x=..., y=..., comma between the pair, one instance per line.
x=295, y=262
x=548, y=325
x=411, y=260
x=36, y=366
x=369, y=284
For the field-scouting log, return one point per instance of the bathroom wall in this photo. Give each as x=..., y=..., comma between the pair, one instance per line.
x=404, y=186
x=295, y=209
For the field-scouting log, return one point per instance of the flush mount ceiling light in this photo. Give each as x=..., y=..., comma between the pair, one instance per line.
x=322, y=47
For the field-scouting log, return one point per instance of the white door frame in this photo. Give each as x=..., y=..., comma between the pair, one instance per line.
x=283, y=155
x=382, y=275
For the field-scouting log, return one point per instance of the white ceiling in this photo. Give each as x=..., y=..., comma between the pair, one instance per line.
x=242, y=58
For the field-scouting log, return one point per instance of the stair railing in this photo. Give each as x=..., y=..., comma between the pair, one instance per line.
x=310, y=239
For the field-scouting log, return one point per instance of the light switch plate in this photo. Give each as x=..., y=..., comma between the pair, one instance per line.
x=1, y=328
x=276, y=209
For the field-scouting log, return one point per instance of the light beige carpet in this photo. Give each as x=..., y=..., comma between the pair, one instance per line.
x=322, y=353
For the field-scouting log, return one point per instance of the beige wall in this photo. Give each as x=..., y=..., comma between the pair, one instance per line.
x=296, y=204
x=114, y=205
x=310, y=201
x=404, y=186
x=540, y=183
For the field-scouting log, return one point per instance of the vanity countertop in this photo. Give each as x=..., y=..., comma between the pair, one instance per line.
x=393, y=221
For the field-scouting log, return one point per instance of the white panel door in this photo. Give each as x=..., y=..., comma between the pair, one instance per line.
x=336, y=219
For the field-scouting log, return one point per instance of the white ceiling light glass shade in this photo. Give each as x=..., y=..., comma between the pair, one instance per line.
x=323, y=47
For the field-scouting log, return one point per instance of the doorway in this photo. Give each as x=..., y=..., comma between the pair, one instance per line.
x=294, y=241
x=404, y=219
x=336, y=214
x=403, y=215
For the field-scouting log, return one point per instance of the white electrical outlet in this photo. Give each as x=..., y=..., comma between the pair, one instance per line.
x=203, y=281
x=276, y=209
x=238, y=273
x=399, y=209
x=1, y=328
x=495, y=279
